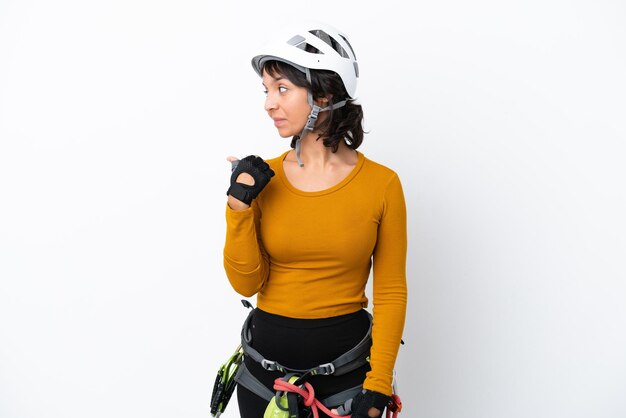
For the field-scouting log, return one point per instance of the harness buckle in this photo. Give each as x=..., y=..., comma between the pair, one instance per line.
x=271, y=366
x=325, y=369
x=268, y=364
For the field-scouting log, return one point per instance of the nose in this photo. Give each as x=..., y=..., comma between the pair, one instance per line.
x=270, y=102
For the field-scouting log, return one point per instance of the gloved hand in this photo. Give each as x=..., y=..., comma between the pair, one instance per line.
x=258, y=169
x=361, y=404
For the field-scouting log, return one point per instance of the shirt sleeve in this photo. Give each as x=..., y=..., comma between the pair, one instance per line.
x=389, y=289
x=245, y=261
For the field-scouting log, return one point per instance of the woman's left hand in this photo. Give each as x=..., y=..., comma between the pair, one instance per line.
x=367, y=404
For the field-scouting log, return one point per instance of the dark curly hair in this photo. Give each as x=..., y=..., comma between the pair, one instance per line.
x=344, y=123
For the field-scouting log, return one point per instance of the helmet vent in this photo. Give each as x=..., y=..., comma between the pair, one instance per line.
x=299, y=42
x=310, y=48
x=332, y=42
x=296, y=40
x=349, y=46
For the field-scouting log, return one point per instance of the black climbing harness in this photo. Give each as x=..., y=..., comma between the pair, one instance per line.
x=234, y=372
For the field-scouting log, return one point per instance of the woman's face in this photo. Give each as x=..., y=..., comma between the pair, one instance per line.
x=286, y=104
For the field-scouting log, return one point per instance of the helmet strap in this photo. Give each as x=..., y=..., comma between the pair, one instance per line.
x=312, y=119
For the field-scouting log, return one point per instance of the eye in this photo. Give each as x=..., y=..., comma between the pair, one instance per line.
x=282, y=89
x=265, y=92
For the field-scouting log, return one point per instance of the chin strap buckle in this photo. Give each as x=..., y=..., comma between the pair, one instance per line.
x=310, y=122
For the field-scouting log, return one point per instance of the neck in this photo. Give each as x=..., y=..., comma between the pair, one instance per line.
x=314, y=153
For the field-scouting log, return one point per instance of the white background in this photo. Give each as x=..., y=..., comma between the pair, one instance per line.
x=504, y=120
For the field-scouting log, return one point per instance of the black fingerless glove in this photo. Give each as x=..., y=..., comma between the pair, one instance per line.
x=260, y=172
x=362, y=402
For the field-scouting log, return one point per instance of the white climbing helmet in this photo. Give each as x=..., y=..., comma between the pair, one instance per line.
x=331, y=51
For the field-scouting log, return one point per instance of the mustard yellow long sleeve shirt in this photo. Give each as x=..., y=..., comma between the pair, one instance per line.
x=309, y=254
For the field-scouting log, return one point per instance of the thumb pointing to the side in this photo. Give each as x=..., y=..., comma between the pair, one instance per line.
x=234, y=161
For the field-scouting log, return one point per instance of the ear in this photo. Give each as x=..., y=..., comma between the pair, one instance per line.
x=323, y=102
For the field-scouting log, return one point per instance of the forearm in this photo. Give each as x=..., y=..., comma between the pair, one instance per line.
x=245, y=262
x=389, y=317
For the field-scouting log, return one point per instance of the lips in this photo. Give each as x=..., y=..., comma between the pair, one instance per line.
x=278, y=121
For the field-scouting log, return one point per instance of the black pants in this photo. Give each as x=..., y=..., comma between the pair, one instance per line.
x=302, y=344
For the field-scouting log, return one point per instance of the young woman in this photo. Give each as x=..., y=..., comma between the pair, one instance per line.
x=304, y=230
